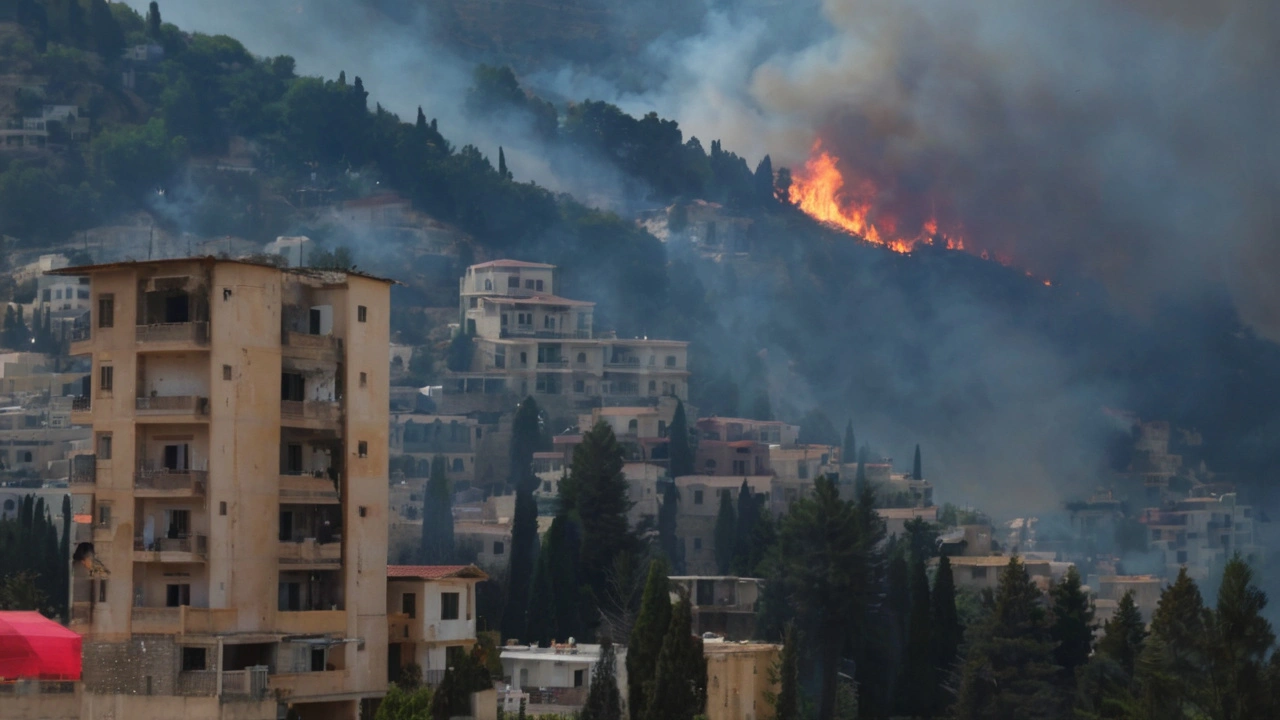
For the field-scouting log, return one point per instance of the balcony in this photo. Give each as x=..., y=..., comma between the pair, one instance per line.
x=309, y=553
x=562, y=364
x=311, y=414
x=183, y=620
x=250, y=683
x=308, y=684
x=189, y=549
x=311, y=622
x=624, y=363
x=164, y=482
x=323, y=348
x=299, y=489
x=528, y=331
x=156, y=621
x=84, y=471
x=81, y=340
x=174, y=336
x=188, y=407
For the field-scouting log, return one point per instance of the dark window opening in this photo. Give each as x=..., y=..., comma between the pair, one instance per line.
x=177, y=595
x=362, y=313
x=448, y=606
x=106, y=311
x=193, y=658
x=292, y=386
x=409, y=604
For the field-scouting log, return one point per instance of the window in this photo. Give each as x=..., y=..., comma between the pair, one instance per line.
x=579, y=386
x=500, y=354
x=528, y=284
x=457, y=465
x=488, y=284
x=671, y=361
x=226, y=372
x=106, y=311
x=978, y=573
x=549, y=322
x=449, y=606
x=292, y=386
x=409, y=604
x=473, y=303
x=102, y=591
x=499, y=548
x=362, y=313
x=104, y=515
x=106, y=378
x=362, y=448
x=697, y=544
x=710, y=465
x=697, y=497
x=579, y=678
x=513, y=281
x=653, y=386
x=582, y=321
x=44, y=295
x=364, y=379
x=317, y=659
x=504, y=320
x=739, y=467
x=222, y=508
x=104, y=446
x=524, y=358
x=364, y=511
x=802, y=470
x=177, y=595
x=582, y=358
x=193, y=658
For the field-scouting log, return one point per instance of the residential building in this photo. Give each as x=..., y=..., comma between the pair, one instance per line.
x=422, y=437
x=211, y=577
x=966, y=540
x=983, y=572
x=723, y=605
x=1146, y=591
x=644, y=490
x=740, y=679
x=896, y=519
x=1201, y=533
x=530, y=341
x=730, y=458
x=795, y=467
x=431, y=617
x=61, y=293
x=558, y=678
x=697, y=511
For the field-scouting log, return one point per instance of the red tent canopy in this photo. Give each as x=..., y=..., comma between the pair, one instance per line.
x=33, y=646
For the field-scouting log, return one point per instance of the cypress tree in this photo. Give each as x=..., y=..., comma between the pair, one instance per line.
x=437, y=516
x=919, y=681
x=647, y=635
x=786, y=673
x=680, y=679
x=1073, y=624
x=502, y=165
x=604, y=701
x=763, y=180
x=668, y=512
x=564, y=567
x=1008, y=671
x=849, y=448
x=526, y=437
x=679, y=451
x=726, y=534
x=916, y=471
x=745, y=523
x=421, y=124
x=521, y=564
x=153, y=20
x=540, y=621
x=947, y=632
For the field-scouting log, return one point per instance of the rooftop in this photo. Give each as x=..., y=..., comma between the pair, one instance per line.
x=537, y=300
x=435, y=572
x=505, y=263
x=208, y=260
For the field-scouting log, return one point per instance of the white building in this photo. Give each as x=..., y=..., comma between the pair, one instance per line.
x=558, y=678
x=431, y=616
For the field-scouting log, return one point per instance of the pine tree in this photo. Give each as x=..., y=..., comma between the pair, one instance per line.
x=668, y=512
x=647, y=635
x=153, y=20
x=1124, y=634
x=1073, y=624
x=681, y=454
x=726, y=534
x=917, y=472
x=604, y=701
x=947, y=632
x=849, y=448
x=595, y=495
x=1008, y=670
x=437, y=516
x=1105, y=684
x=1172, y=667
x=1240, y=639
x=680, y=678
x=521, y=564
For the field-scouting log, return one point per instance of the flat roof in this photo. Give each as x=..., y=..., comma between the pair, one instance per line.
x=509, y=263
x=204, y=259
x=435, y=572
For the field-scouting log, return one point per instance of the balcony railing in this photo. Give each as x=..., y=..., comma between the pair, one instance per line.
x=307, y=488
x=173, y=404
x=197, y=683
x=249, y=683
x=195, y=544
x=310, y=552
x=84, y=470
x=553, y=364
x=308, y=340
x=623, y=362
x=317, y=410
x=165, y=479
x=529, y=331
x=81, y=332
x=81, y=403
x=187, y=332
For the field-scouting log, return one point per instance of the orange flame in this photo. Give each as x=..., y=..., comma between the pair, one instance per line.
x=820, y=190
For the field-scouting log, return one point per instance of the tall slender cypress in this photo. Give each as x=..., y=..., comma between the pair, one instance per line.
x=726, y=533
x=679, y=450
x=647, y=635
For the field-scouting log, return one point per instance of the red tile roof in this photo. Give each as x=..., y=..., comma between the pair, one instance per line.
x=435, y=572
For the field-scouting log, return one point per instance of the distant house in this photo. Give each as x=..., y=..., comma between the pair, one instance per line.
x=723, y=605
x=557, y=679
x=431, y=616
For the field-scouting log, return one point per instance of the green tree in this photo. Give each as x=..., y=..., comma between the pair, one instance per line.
x=917, y=473
x=726, y=534
x=827, y=550
x=465, y=675
x=1239, y=640
x=668, y=512
x=1008, y=670
x=522, y=562
x=437, y=516
x=816, y=429
x=404, y=703
x=947, y=631
x=1124, y=634
x=849, y=448
x=680, y=452
x=1073, y=626
x=153, y=20
x=594, y=494
x=604, y=701
x=526, y=439
x=920, y=681
x=785, y=673
x=921, y=537
x=680, y=678
x=1172, y=668
x=647, y=634
x=502, y=165
x=1105, y=685
x=539, y=622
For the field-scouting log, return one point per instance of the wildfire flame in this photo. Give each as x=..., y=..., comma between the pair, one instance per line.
x=824, y=193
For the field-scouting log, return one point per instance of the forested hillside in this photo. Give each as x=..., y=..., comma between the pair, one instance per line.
x=1003, y=379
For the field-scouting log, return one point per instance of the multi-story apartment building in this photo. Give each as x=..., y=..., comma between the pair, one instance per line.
x=237, y=566
x=1201, y=533
x=530, y=341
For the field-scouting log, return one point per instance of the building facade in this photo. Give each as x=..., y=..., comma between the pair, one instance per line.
x=238, y=491
x=431, y=617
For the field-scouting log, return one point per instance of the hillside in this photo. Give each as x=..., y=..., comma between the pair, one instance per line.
x=1004, y=381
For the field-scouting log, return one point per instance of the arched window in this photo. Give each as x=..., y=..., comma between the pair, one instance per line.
x=633, y=425
x=582, y=358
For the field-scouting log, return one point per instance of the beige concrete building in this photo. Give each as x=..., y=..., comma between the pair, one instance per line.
x=738, y=679
x=696, y=514
x=431, y=616
x=238, y=492
x=724, y=605
x=1146, y=591
x=530, y=341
